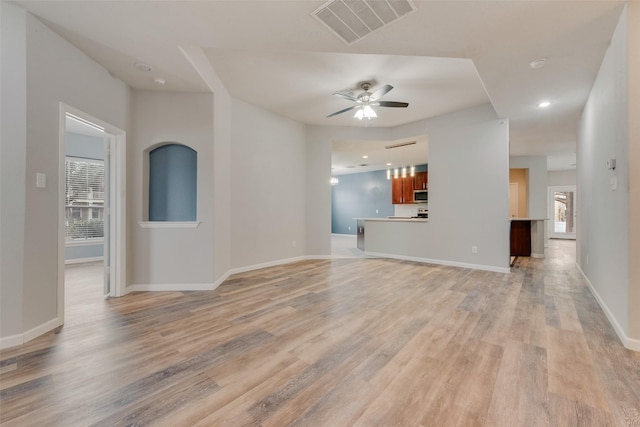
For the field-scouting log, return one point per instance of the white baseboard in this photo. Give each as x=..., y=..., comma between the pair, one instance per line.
x=442, y=262
x=179, y=287
x=11, y=341
x=266, y=264
x=170, y=287
x=540, y=256
x=83, y=260
x=630, y=343
x=309, y=257
x=19, y=339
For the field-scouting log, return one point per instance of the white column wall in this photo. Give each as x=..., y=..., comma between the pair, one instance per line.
x=268, y=181
x=13, y=137
x=161, y=256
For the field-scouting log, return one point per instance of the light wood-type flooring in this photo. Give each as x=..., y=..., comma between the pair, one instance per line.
x=341, y=342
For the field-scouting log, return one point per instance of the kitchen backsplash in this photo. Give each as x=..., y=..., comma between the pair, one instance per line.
x=409, y=210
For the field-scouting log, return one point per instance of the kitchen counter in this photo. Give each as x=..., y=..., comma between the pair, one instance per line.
x=395, y=219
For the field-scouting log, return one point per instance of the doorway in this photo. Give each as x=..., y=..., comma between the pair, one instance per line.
x=92, y=211
x=562, y=212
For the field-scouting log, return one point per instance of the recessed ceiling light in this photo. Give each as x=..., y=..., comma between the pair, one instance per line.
x=388, y=164
x=365, y=157
x=544, y=104
x=536, y=64
x=142, y=66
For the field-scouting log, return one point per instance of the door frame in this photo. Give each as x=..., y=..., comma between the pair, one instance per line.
x=550, y=210
x=116, y=147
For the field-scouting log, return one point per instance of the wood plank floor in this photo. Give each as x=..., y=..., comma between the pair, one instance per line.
x=342, y=342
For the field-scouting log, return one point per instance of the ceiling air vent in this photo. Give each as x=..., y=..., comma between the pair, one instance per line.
x=401, y=144
x=351, y=20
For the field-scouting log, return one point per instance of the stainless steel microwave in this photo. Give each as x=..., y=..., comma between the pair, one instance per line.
x=420, y=196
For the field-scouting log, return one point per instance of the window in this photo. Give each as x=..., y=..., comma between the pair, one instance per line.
x=84, y=199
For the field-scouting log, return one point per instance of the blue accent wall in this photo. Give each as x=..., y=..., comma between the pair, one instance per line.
x=172, y=183
x=358, y=195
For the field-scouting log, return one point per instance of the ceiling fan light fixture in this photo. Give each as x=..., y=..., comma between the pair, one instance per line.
x=369, y=113
x=536, y=64
x=365, y=112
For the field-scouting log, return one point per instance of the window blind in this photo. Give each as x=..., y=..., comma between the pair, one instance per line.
x=84, y=199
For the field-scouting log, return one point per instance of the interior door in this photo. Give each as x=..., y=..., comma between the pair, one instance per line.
x=513, y=200
x=562, y=212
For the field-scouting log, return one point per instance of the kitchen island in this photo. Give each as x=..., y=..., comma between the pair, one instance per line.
x=527, y=237
x=361, y=225
x=419, y=240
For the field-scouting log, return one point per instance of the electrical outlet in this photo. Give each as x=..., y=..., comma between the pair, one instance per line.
x=293, y=244
x=376, y=210
x=474, y=249
x=349, y=228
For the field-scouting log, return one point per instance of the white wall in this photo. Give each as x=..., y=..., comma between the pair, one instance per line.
x=468, y=189
x=603, y=222
x=13, y=141
x=268, y=182
x=160, y=256
x=557, y=178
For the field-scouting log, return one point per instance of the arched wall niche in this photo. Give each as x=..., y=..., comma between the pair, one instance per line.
x=172, y=182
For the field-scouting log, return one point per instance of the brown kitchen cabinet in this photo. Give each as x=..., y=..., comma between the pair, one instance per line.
x=421, y=181
x=520, y=238
x=402, y=190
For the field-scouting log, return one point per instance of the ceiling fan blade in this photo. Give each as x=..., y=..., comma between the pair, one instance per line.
x=392, y=104
x=346, y=94
x=343, y=111
x=380, y=92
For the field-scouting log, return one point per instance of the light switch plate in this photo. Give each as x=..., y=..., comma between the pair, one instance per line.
x=41, y=180
x=613, y=183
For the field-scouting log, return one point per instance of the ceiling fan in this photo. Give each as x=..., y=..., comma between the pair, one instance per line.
x=365, y=100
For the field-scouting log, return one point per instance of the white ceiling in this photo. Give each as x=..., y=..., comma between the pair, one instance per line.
x=348, y=156
x=445, y=56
